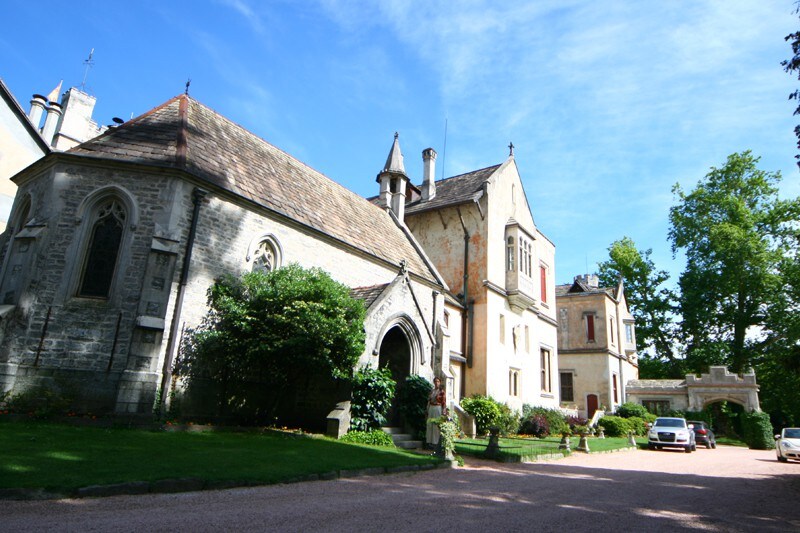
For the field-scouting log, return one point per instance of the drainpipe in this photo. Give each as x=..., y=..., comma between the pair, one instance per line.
x=166, y=372
x=466, y=323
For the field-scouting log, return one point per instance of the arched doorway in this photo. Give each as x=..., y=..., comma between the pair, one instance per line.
x=399, y=352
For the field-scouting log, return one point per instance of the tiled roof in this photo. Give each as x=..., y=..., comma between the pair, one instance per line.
x=368, y=294
x=455, y=190
x=184, y=134
x=578, y=288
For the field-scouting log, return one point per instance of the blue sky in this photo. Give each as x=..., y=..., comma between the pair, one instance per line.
x=608, y=104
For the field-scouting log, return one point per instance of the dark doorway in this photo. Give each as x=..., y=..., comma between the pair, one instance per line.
x=395, y=353
x=591, y=405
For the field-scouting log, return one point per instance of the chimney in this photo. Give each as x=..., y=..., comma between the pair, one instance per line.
x=428, y=174
x=590, y=280
x=50, y=122
x=38, y=104
x=399, y=198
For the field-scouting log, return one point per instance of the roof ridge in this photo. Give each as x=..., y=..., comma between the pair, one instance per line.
x=470, y=172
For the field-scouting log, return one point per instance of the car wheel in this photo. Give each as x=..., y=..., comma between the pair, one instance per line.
x=651, y=446
x=688, y=449
x=694, y=447
x=783, y=459
x=713, y=445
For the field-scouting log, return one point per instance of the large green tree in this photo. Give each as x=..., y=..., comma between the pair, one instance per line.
x=738, y=237
x=650, y=302
x=792, y=66
x=273, y=330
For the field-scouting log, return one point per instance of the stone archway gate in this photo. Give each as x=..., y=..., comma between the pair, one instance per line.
x=693, y=393
x=720, y=385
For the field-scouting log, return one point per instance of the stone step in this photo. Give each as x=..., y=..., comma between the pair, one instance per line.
x=402, y=440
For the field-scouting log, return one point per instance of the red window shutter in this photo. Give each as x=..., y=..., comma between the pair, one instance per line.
x=543, y=282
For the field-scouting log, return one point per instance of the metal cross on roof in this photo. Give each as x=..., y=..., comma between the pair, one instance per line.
x=510, y=148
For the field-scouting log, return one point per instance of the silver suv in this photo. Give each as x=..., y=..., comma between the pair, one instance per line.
x=669, y=432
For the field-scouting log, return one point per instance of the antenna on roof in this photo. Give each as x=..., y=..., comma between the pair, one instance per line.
x=188, y=82
x=444, y=150
x=89, y=64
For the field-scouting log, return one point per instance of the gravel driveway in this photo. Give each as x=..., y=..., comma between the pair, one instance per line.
x=727, y=489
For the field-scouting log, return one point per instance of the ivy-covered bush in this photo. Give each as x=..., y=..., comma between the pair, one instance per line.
x=485, y=409
x=412, y=401
x=556, y=422
x=374, y=437
x=616, y=426
x=757, y=429
x=629, y=409
x=535, y=424
x=373, y=390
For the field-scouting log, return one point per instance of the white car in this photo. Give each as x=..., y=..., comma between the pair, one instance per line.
x=670, y=432
x=787, y=444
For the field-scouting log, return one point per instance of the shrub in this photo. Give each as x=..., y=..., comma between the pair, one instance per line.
x=485, y=410
x=39, y=402
x=757, y=429
x=575, y=421
x=556, y=422
x=629, y=409
x=508, y=421
x=374, y=437
x=638, y=425
x=616, y=426
x=535, y=424
x=412, y=401
x=373, y=390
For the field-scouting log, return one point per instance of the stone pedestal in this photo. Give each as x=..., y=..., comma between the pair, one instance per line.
x=583, y=445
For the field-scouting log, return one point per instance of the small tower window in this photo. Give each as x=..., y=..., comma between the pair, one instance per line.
x=510, y=254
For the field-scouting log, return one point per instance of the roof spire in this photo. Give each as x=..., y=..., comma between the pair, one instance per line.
x=510, y=149
x=394, y=163
x=188, y=82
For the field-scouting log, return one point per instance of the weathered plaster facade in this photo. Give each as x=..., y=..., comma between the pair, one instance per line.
x=509, y=328
x=597, y=345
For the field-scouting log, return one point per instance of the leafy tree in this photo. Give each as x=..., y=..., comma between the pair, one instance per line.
x=738, y=236
x=273, y=329
x=792, y=66
x=650, y=302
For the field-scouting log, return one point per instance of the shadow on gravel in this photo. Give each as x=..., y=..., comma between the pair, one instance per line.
x=554, y=497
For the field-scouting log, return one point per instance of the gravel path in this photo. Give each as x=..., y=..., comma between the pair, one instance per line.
x=727, y=489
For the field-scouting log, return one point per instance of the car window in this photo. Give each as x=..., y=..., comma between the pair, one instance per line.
x=670, y=423
x=791, y=433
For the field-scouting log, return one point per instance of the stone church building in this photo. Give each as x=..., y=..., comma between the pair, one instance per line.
x=112, y=244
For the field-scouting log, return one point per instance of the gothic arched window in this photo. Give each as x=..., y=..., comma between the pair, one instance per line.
x=102, y=253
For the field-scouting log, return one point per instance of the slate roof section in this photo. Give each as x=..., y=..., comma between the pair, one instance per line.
x=368, y=294
x=581, y=289
x=184, y=134
x=456, y=190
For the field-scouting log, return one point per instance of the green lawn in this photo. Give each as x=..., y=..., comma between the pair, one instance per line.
x=528, y=449
x=62, y=457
